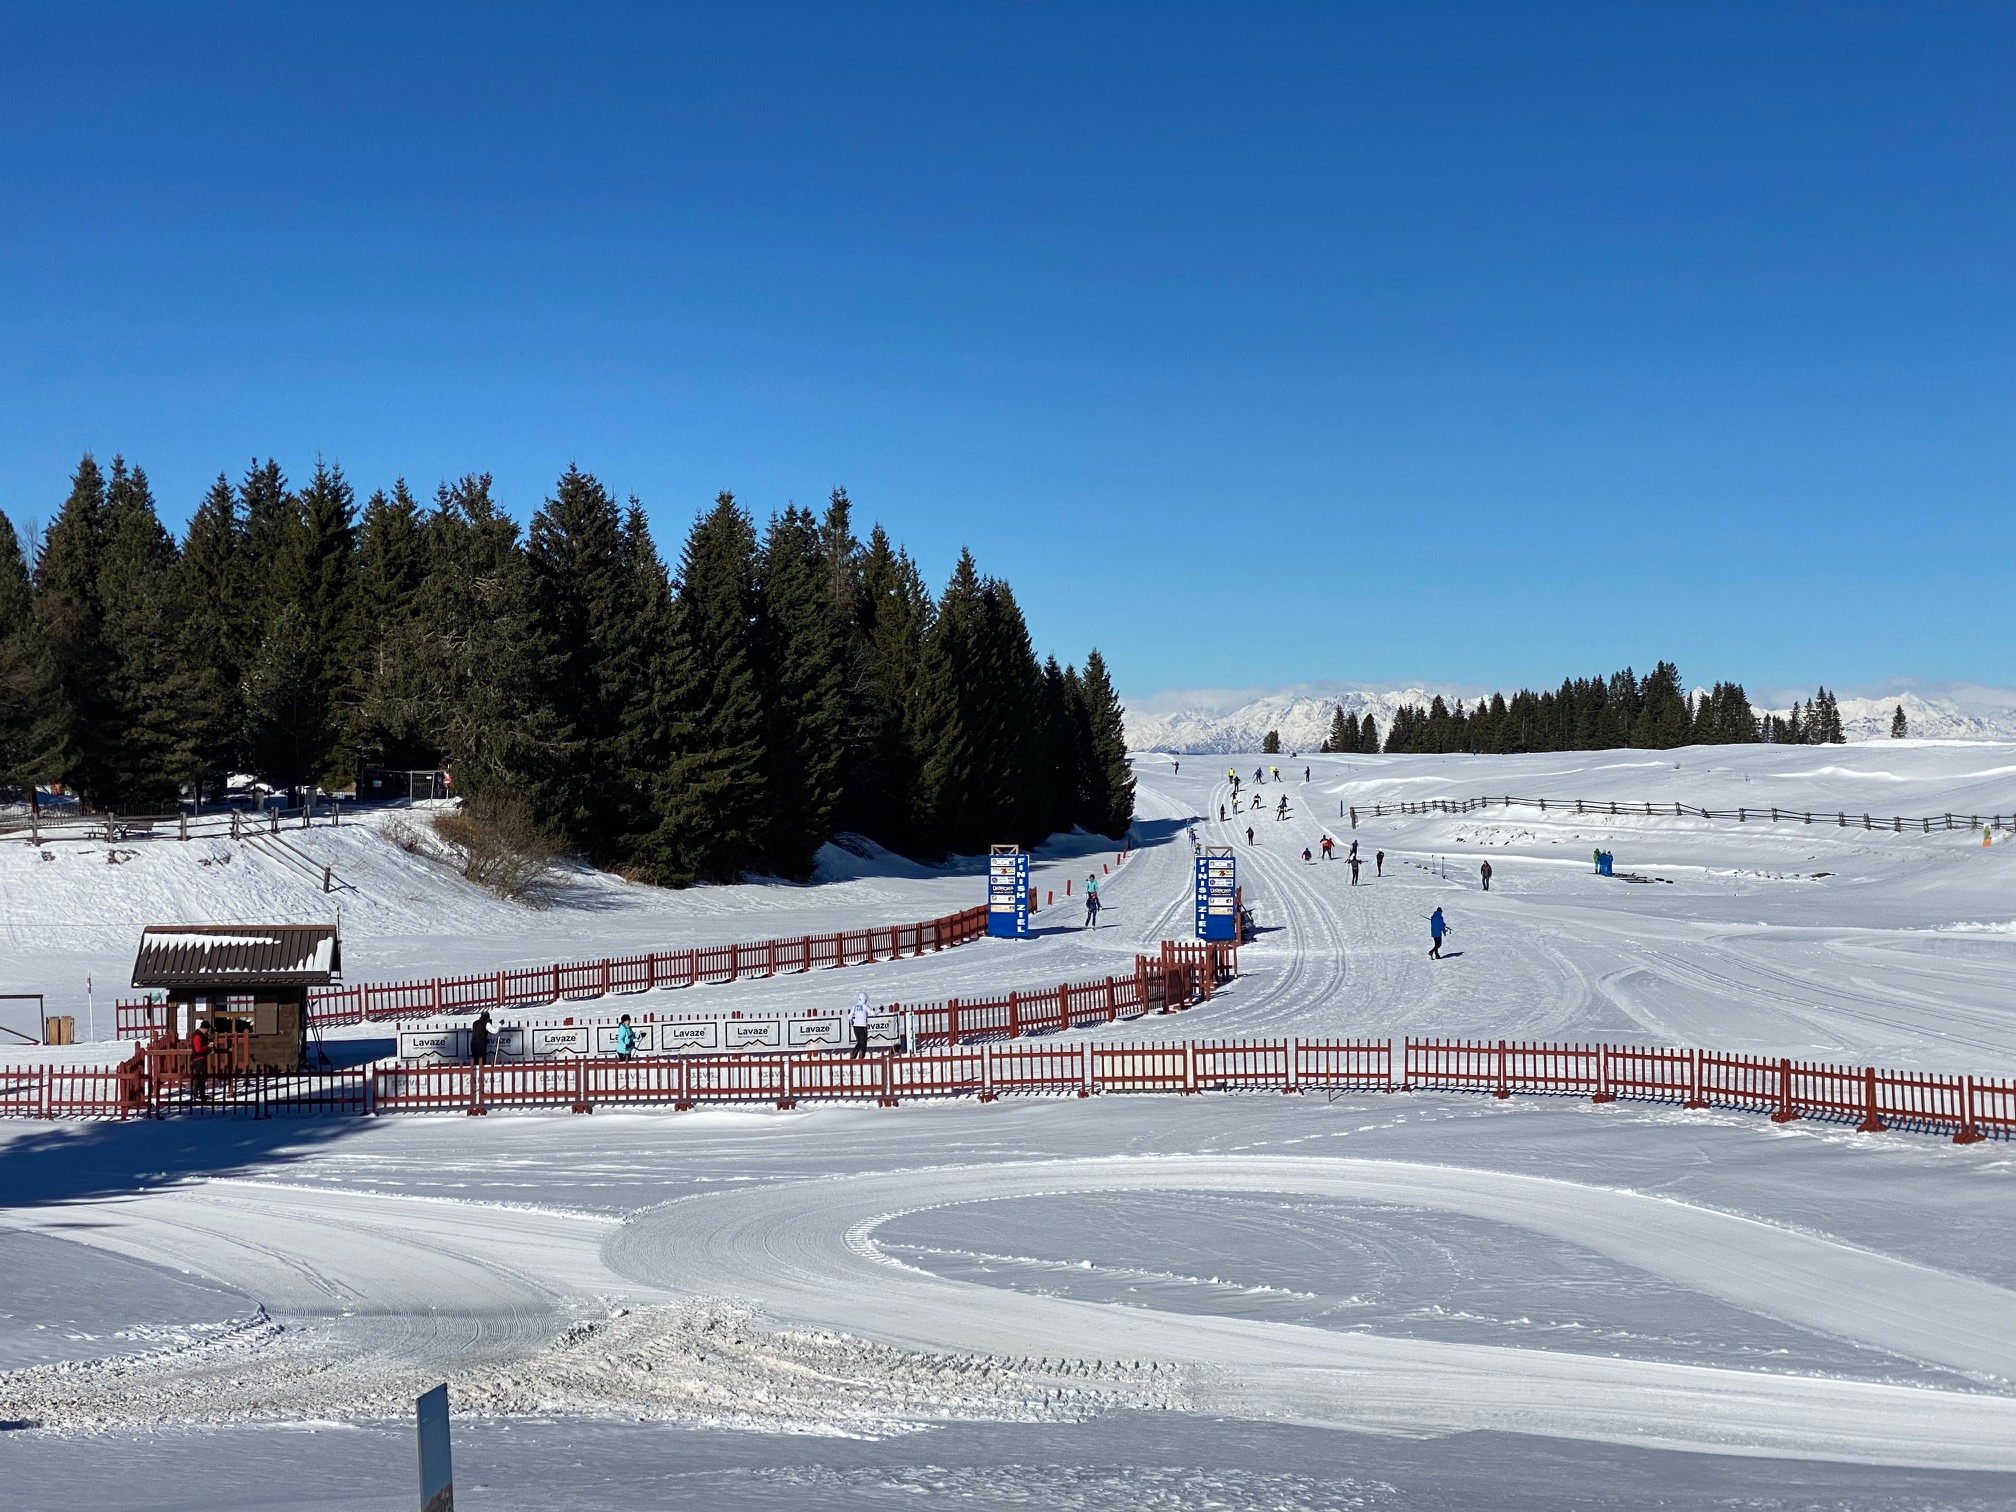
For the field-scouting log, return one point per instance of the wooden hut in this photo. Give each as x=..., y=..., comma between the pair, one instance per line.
x=249, y=979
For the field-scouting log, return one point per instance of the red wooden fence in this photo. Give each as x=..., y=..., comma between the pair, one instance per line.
x=388, y=1002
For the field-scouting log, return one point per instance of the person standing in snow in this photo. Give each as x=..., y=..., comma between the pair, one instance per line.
x=1437, y=927
x=1249, y=834
x=857, y=1020
x=1379, y=863
x=1354, y=850
x=199, y=1061
x=1221, y=813
x=1596, y=860
x=626, y=1038
x=1305, y=774
x=1305, y=854
x=479, y=1039
x=1354, y=871
x=1485, y=872
x=1179, y=770
x=1328, y=846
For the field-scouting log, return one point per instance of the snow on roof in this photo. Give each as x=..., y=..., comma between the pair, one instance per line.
x=187, y=955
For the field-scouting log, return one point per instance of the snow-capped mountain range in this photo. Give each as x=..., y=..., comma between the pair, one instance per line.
x=1237, y=719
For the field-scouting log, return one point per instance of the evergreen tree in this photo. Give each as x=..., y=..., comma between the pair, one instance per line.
x=34, y=723
x=66, y=600
x=1061, y=747
x=712, y=798
x=806, y=705
x=146, y=759
x=1368, y=733
x=209, y=594
x=391, y=568
x=893, y=617
x=1110, y=808
x=593, y=577
x=1270, y=743
x=1662, y=722
x=951, y=813
x=1899, y=726
x=1343, y=734
x=300, y=693
x=484, y=668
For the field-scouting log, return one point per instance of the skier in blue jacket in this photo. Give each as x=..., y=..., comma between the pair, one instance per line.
x=1437, y=927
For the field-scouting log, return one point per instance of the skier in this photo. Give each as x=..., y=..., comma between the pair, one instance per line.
x=626, y=1038
x=1092, y=907
x=1354, y=871
x=479, y=1039
x=1596, y=859
x=1305, y=774
x=1354, y=850
x=1221, y=813
x=1305, y=854
x=1437, y=927
x=1380, y=858
x=1249, y=834
x=1259, y=776
x=1281, y=812
x=1276, y=771
x=857, y=1018
x=1328, y=846
x=1179, y=770
x=1485, y=872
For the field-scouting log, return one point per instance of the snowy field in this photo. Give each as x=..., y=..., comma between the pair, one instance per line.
x=1409, y=1300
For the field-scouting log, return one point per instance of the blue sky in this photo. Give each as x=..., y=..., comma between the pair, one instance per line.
x=1253, y=345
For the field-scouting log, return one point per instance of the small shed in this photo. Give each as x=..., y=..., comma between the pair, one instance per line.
x=250, y=979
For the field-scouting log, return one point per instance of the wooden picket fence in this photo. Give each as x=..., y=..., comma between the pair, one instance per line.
x=1966, y=1108
x=567, y=981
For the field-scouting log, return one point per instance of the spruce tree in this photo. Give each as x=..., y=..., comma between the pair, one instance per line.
x=34, y=722
x=1343, y=735
x=1368, y=734
x=1662, y=722
x=148, y=759
x=484, y=666
x=1899, y=726
x=1270, y=743
x=210, y=588
x=592, y=572
x=391, y=567
x=66, y=600
x=893, y=616
x=1060, y=748
x=1110, y=809
x=301, y=696
x=712, y=799
x=804, y=653
x=951, y=813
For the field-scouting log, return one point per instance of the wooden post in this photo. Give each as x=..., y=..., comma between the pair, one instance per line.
x=1603, y=1092
x=1968, y=1133
x=1694, y=1097
x=1871, y=1123
x=1503, y=1090
x=1785, y=1113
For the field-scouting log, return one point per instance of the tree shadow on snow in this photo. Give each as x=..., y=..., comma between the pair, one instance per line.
x=70, y=1162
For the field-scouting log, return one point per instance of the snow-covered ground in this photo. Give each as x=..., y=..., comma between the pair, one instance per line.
x=1414, y=1300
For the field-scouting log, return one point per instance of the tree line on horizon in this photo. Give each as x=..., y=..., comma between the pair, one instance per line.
x=1623, y=710
x=728, y=714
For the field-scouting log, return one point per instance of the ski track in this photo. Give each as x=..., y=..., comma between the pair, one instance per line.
x=808, y=1250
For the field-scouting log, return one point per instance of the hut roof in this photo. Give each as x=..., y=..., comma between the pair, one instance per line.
x=241, y=956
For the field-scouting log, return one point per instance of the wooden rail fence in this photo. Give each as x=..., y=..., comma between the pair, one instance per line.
x=1620, y=809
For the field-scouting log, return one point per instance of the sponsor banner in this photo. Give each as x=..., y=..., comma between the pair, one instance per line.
x=451, y=1046
x=703, y=1036
x=752, y=1034
x=605, y=1038
x=571, y=1039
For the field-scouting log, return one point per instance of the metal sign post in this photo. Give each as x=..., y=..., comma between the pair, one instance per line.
x=1008, y=892
x=1218, y=893
x=437, y=1474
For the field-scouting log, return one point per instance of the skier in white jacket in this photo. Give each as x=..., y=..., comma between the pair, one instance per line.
x=857, y=1019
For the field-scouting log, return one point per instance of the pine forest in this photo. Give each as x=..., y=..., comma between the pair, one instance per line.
x=725, y=714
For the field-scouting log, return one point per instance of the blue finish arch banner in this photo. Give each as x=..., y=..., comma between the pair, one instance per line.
x=1008, y=894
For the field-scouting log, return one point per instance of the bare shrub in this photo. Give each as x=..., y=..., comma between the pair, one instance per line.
x=499, y=844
